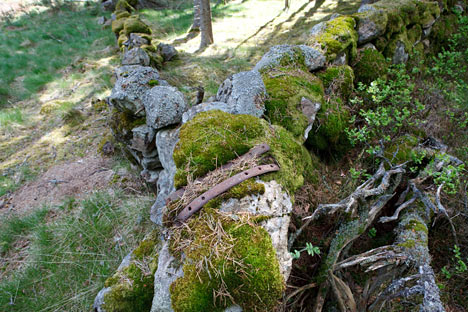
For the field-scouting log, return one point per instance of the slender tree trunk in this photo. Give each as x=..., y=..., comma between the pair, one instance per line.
x=205, y=25
x=196, y=16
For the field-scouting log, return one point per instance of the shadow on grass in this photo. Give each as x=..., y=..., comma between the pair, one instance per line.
x=35, y=47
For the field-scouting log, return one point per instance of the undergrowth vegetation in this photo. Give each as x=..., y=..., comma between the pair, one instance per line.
x=36, y=46
x=67, y=252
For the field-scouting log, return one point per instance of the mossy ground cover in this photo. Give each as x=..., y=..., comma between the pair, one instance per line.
x=71, y=250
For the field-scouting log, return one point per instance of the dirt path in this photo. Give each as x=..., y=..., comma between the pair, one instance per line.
x=14, y=5
x=76, y=178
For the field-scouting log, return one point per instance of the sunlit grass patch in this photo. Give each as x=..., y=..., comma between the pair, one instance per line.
x=36, y=46
x=11, y=116
x=72, y=249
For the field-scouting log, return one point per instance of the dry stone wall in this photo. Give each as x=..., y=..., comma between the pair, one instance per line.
x=235, y=249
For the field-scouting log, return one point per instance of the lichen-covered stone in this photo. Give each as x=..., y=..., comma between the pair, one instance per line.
x=136, y=41
x=244, y=92
x=288, y=55
x=132, y=82
x=335, y=36
x=286, y=88
x=164, y=106
x=117, y=25
x=167, y=51
x=122, y=123
x=213, y=138
x=204, y=107
x=398, y=49
x=135, y=56
x=143, y=138
x=370, y=64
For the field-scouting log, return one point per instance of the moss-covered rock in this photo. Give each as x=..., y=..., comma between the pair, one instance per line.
x=135, y=25
x=122, y=123
x=370, y=65
x=336, y=36
x=213, y=138
x=338, y=81
x=327, y=134
x=122, y=38
x=121, y=14
x=131, y=288
x=442, y=31
x=249, y=276
x=126, y=5
x=286, y=87
x=118, y=26
x=394, y=51
x=414, y=34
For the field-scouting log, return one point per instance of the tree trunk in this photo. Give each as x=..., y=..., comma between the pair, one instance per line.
x=205, y=25
x=196, y=16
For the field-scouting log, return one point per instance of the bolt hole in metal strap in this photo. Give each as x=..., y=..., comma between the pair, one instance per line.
x=252, y=153
x=222, y=187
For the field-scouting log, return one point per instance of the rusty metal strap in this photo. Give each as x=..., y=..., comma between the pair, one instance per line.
x=222, y=187
x=251, y=154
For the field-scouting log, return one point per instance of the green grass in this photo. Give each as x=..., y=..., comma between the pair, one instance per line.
x=72, y=249
x=35, y=47
x=11, y=116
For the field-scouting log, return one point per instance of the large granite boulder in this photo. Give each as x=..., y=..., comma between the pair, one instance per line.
x=132, y=82
x=244, y=93
x=164, y=106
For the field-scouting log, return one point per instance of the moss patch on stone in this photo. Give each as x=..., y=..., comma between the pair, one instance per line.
x=337, y=36
x=250, y=274
x=338, y=81
x=370, y=65
x=122, y=123
x=135, y=25
x=213, y=138
x=132, y=288
x=117, y=26
x=286, y=87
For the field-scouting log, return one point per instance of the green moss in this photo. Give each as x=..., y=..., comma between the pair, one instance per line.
x=286, y=87
x=118, y=25
x=106, y=138
x=327, y=134
x=417, y=226
x=414, y=34
x=400, y=14
x=132, y=288
x=338, y=81
x=408, y=244
x=122, y=124
x=122, y=14
x=122, y=38
x=370, y=65
x=153, y=83
x=126, y=5
x=73, y=117
x=156, y=60
x=135, y=25
x=337, y=36
x=402, y=149
x=148, y=48
x=253, y=279
x=445, y=27
x=428, y=12
x=213, y=138
x=393, y=44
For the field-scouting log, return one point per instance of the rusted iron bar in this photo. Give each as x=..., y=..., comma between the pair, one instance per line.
x=252, y=153
x=222, y=187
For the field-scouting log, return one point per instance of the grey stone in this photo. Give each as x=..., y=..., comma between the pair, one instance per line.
x=427, y=32
x=150, y=176
x=101, y=20
x=204, y=107
x=371, y=25
x=313, y=58
x=369, y=46
x=151, y=154
x=143, y=139
x=151, y=163
x=233, y=308
x=276, y=204
x=333, y=16
x=108, y=5
x=164, y=106
x=309, y=109
x=426, y=43
x=400, y=55
x=341, y=59
x=166, y=141
x=135, y=56
x=317, y=28
x=135, y=41
x=366, y=8
x=99, y=300
x=169, y=269
x=244, y=92
x=167, y=51
x=132, y=82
